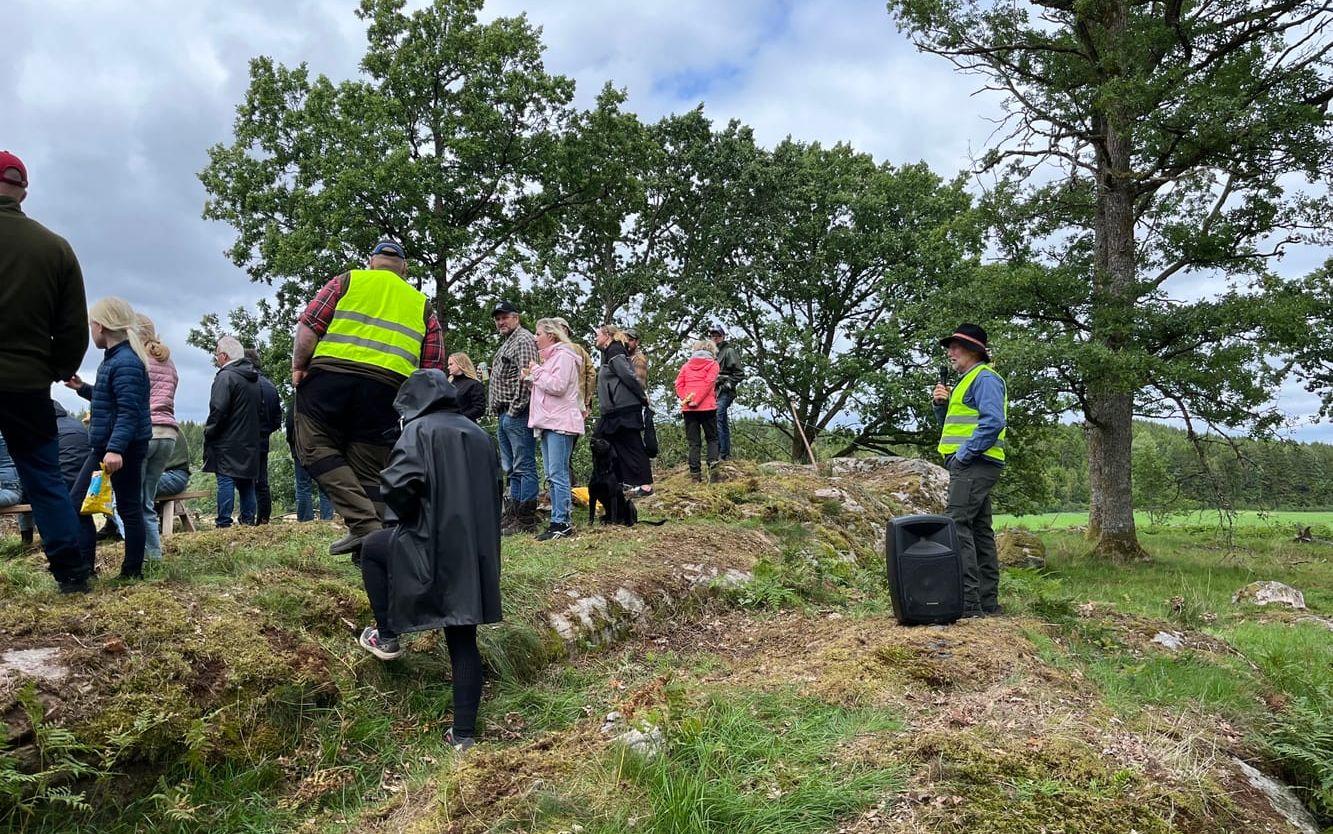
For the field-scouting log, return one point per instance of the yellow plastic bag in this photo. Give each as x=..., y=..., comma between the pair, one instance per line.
x=580, y=495
x=98, y=499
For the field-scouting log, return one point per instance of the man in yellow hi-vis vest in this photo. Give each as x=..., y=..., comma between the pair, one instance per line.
x=364, y=333
x=973, y=415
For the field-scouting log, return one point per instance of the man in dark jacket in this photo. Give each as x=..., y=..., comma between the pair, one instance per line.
x=440, y=566
x=43, y=336
x=231, y=435
x=270, y=420
x=728, y=378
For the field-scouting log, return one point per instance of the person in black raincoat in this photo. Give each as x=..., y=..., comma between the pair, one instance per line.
x=438, y=566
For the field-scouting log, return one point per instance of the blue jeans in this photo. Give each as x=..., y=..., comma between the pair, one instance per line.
x=160, y=450
x=518, y=456
x=556, y=448
x=10, y=497
x=28, y=426
x=227, y=488
x=724, y=401
x=305, y=510
x=173, y=482
x=127, y=487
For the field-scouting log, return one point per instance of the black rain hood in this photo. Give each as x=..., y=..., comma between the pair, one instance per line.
x=426, y=390
x=442, y=485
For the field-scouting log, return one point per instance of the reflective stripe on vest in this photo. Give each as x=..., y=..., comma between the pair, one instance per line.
x=960, y=422
x=379, y=321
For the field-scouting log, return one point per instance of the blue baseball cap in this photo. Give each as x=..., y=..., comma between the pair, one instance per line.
x=389, y=247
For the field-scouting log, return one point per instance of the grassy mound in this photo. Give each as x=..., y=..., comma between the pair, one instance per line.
x=748, y=677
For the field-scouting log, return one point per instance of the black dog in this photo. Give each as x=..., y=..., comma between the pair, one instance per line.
x=604, y=488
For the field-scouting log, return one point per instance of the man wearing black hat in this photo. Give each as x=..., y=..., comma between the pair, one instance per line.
x=973, y=416
x=508, y=397
x=363, y=334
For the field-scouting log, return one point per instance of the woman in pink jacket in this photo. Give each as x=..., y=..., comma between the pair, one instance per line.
x=556, y=417
x=162, y=381
x=698, y=402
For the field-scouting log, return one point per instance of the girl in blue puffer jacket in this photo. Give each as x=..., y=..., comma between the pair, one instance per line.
x=119, y=432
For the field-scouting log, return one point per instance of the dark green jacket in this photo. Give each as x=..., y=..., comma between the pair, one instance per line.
x=732, y=371
x=43, y=312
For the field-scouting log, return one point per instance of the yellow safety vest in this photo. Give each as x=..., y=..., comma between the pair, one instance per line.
x=960, y=422
x=379, y=321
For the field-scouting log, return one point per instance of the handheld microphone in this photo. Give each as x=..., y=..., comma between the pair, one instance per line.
x=944, y=374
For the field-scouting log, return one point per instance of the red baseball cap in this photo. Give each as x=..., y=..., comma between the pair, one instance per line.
x=12, y=170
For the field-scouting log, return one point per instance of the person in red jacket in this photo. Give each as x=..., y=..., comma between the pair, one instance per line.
x=698, y=402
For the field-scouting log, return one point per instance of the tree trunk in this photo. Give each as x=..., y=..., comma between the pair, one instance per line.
x=442, y=308
x=1112, y=386
x=1110, y=475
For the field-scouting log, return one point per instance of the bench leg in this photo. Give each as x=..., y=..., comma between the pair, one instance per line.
x=168, y=519
x=187, y=521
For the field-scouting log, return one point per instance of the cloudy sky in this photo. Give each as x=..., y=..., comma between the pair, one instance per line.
x=112, y=105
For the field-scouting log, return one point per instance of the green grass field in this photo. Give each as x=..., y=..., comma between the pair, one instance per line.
x=1281, y=519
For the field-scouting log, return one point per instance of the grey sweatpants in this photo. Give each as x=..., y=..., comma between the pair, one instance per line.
x=969, y=507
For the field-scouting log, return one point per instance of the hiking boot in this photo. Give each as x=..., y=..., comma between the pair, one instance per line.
x=637, y=491
x=79, y=587
x=556, y=531
x=460, y=744
x=525, y=518
x=507, y=513
x=350, y=543
x=109, y=532
x=385, y=648
x=715, y=474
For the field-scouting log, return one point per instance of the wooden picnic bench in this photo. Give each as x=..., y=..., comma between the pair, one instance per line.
x=170, y=508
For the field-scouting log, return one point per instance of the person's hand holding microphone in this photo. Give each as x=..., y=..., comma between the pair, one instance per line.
x=942, y=389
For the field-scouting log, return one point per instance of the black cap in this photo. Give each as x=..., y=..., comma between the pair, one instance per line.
x=969, y=336
x=716, y=328
x=504, y=308
x=389, y=247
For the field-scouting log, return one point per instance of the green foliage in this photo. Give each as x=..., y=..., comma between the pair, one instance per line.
x=842, y=284
x=471, y=149
x=1148, y=145
x=61, y=758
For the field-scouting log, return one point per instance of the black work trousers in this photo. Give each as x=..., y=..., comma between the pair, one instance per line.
x=969, y=506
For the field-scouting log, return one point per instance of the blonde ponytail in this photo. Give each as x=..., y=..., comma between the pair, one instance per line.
x=148, y=335
x=117, y=317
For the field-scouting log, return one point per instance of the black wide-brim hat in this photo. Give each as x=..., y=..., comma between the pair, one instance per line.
x=969, y=336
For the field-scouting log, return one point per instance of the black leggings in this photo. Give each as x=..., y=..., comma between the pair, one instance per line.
x=464, y=657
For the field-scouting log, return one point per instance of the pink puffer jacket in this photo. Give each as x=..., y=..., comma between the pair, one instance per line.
x=556, y=402
x=162, y=382
x=696, y=382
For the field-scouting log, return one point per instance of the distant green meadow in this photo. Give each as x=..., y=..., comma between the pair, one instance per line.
x=1283, y=519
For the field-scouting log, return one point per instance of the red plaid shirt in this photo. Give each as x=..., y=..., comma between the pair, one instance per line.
x=318, y=315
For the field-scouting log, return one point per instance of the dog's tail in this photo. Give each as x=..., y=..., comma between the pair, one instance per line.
x=657, y=523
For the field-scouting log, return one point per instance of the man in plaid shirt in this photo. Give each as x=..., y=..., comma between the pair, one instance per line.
x=509, y=395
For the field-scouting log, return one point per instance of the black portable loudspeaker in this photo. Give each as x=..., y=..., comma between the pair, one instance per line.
x=925, y=570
